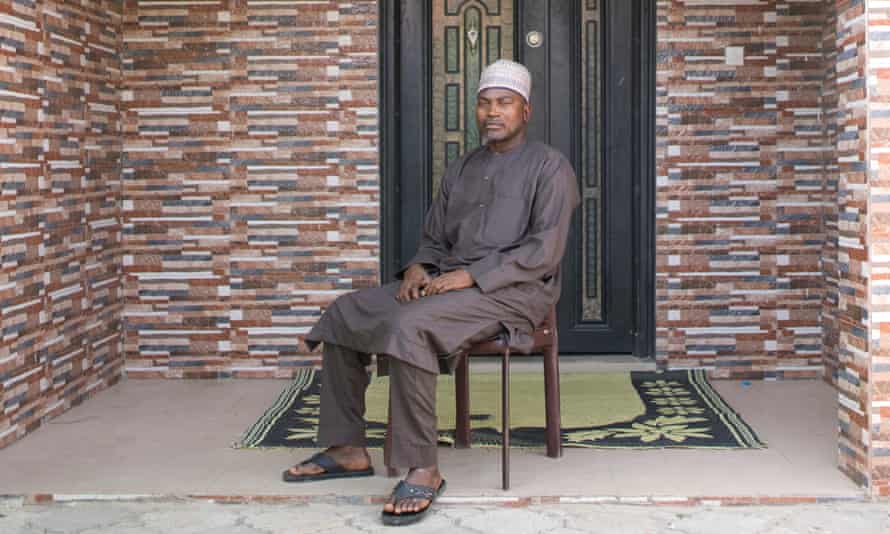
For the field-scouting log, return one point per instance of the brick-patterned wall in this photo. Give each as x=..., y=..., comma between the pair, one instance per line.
x=852, y=254
x=244, y=215
x=830, y=271
x=60, y=299
x=250, y=179
x=250, y=183
x=875, y=396
x=741, y=149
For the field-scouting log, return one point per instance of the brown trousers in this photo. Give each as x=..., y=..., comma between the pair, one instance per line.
x=412, y=405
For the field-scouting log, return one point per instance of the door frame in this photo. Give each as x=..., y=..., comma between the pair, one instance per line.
x=395, y=19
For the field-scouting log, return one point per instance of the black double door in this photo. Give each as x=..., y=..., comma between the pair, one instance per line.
x=589, y=100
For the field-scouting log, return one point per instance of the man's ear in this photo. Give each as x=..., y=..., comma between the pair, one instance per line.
x=527, y=112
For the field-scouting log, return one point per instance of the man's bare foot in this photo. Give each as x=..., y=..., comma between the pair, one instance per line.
x=421, y=476
x=351, y=458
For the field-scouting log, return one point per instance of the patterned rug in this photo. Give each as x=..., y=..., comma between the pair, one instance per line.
x=599, y=410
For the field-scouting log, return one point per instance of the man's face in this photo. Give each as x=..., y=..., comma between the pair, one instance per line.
x=501, y=114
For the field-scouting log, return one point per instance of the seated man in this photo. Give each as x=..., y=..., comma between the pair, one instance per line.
x=488, y=262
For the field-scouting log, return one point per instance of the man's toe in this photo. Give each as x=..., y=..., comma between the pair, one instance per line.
x=405, y=506
x=305, y=469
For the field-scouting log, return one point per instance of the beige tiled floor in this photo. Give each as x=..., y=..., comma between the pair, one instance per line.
x=172, y=437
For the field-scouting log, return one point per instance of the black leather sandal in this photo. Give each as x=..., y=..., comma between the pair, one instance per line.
x=331, y=470
x=405, y=490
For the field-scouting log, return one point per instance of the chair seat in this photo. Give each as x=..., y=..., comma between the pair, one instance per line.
x=543, y=338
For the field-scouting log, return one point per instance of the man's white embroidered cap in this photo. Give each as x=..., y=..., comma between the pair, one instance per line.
x=507, y=74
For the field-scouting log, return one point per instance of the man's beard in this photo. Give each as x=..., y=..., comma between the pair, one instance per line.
x=484, y=139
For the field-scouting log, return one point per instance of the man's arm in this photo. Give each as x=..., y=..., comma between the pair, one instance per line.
x=541, y=250
x=433, y=245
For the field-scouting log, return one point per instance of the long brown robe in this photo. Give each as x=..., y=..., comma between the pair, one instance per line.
x=505, y=219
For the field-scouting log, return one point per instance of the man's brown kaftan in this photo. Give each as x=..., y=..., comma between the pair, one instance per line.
x=504, y=218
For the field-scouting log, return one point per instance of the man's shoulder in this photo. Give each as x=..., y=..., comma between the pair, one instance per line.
x=543, y=151
x=549, y=162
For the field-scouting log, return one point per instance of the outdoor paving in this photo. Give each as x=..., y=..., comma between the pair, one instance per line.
x=188, y=517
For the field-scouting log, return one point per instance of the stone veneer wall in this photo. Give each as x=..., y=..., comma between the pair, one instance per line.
x=852, y=252
x=830, y=272
x=874, y=394
x=250, y=179
x=741, y=187
x=60, y=298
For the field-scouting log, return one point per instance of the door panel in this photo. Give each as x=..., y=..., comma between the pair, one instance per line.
x=591, y=170
x=466, y=37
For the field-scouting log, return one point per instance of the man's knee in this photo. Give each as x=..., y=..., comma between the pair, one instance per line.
x=333, y=313
x=340, y=301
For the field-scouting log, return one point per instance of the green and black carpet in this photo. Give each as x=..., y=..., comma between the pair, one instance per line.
x=599, y=410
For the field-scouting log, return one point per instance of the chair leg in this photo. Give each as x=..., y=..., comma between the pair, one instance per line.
x=505, y=420
x=462, y=401
x=551, y=396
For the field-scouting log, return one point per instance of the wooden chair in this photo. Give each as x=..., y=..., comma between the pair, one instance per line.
x=546, y=341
